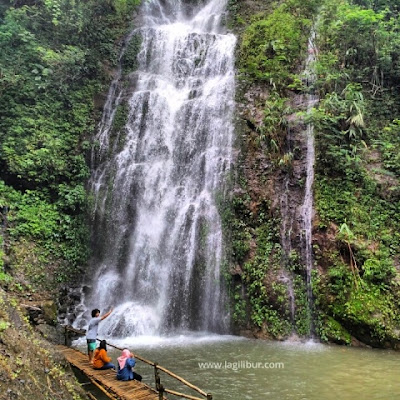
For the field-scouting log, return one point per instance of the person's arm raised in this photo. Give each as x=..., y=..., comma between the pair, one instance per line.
x=106, y=314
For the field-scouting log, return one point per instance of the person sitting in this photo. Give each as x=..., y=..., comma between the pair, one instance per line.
x=125, y=364
x=100, y=357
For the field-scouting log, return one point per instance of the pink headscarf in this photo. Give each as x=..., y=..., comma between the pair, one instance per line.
x=122, y=360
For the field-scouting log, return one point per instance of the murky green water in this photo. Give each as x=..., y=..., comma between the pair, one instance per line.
x=242, y=369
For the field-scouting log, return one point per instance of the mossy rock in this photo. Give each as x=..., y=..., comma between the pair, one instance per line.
x=370, y=315
x=50, y=312
x=335, y=332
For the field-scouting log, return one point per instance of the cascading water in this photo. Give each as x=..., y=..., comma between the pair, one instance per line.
x=307, y=207
x=296, y=203
x=157, y=230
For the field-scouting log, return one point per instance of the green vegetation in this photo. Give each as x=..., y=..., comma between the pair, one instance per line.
x=268, y=297
x=270, y=48
x=239, y=311
x=129, y=60
x=357, y=185
x=273, y=46
x=357, y=190
x=55, y=57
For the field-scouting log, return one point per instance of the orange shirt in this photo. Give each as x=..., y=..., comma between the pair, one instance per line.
x=100, y=358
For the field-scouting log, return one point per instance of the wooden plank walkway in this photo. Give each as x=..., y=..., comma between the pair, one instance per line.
x=123, y=390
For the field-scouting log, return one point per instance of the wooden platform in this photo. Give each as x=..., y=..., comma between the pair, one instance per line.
x=123, y=390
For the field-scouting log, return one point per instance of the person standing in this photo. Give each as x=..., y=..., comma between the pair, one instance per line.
x=126, y=362
x=91, y=333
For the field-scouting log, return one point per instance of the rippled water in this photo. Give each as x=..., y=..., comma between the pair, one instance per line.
x=311, y=371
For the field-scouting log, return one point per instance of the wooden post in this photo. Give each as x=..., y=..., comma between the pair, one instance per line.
x=159, y=387
x=209, y=396
x=161, y=393
x=156, y=377
x=66, y=336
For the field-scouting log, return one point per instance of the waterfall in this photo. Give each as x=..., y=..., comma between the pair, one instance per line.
x=307, y=207
x=296, y=203
x=157, y=234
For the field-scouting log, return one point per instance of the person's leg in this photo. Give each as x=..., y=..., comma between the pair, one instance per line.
x=108, y=366
x=89, y=352
x=91, y=347
x=137, y=376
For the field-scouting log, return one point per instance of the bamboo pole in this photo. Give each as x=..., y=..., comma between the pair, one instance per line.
x=177, y=377
x=72, y=329
x=151, y=363
x=186, y=396
x=102, y=389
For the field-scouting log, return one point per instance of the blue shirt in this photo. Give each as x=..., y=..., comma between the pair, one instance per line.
x=126, y=373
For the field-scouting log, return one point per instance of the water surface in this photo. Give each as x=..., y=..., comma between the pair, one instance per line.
x=304, y=371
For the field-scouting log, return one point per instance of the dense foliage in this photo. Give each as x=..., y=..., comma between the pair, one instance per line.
x=357, y=191
x=54, y=60
x=357, y=186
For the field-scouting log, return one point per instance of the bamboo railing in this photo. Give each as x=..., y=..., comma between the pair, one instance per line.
x=158, y=386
